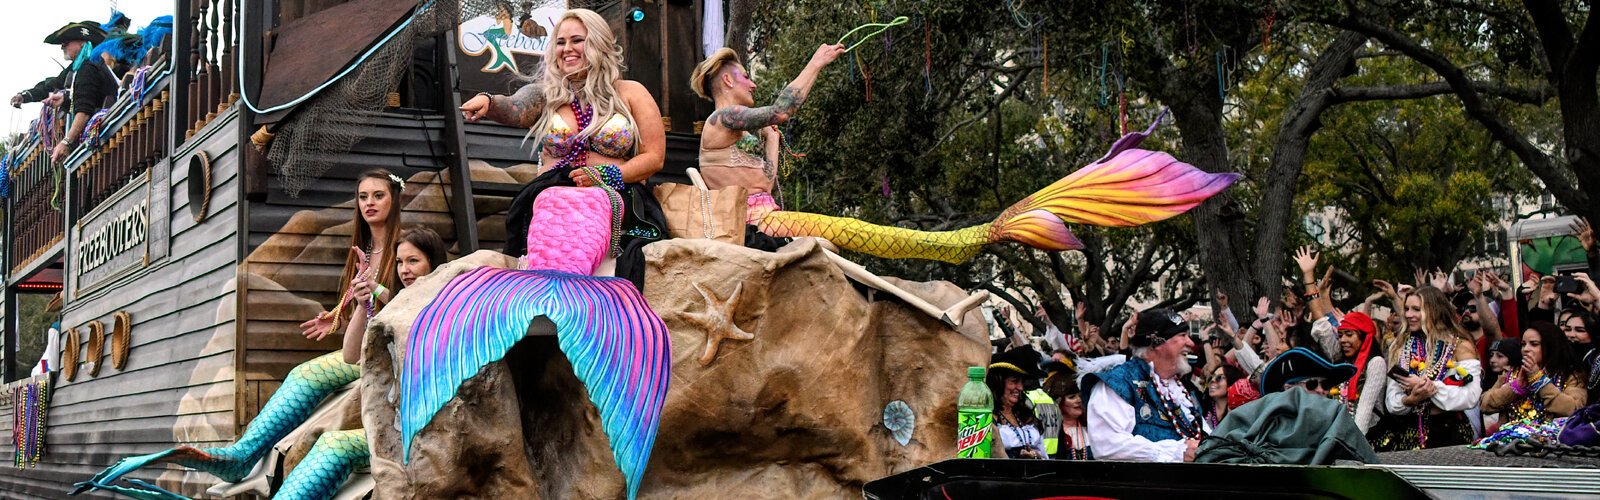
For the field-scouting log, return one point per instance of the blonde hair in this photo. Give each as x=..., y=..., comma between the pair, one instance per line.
x=603, y=56
x=1439, y=321
x=700, y=80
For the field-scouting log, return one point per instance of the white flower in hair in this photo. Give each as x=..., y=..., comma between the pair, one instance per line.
x=398, y=180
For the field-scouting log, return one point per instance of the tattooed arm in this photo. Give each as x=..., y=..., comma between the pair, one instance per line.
x=521, y=109
x=789, y=100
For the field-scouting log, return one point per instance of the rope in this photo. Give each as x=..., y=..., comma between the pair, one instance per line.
x=245, y=96
x=881, y=27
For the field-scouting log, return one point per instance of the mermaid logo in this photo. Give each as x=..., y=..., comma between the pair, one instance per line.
x=502, y=41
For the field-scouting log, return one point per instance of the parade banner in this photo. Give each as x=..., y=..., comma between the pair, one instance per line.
x=495, y=50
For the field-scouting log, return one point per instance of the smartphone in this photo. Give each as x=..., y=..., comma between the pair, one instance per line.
x=1566, y=284
x=1398, y=373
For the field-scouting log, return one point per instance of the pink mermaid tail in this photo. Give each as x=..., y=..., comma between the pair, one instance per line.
x=570, y=232
x=1127, y=187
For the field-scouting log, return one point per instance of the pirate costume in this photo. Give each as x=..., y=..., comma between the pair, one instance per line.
x=1135, y=415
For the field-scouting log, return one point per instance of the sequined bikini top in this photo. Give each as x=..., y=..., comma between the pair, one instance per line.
x=614, y=139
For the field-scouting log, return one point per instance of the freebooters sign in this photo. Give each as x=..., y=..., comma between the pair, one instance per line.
x=492, y=44
x=112, y=240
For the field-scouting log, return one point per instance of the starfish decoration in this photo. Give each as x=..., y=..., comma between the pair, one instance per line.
x=717, y=321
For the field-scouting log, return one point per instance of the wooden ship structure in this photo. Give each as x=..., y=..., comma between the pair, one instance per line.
x=186, y=266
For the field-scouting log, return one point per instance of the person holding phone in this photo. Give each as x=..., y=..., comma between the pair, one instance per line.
x=1435, y=370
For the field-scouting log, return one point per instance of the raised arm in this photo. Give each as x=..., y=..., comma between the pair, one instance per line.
x=789, y=99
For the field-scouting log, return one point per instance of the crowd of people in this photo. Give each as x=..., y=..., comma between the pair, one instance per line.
x=1428, y=364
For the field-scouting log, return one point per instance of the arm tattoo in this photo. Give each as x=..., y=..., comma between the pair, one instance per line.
x=521, y=109
x=752, y=119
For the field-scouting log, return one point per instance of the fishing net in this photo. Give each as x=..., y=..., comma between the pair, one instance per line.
x=329, y=124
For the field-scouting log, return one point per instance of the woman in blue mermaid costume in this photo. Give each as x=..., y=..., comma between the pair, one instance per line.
x=335, y=454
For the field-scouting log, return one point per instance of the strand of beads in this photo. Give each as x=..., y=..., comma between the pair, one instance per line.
x=616, y=209
x=611, y=175
x=1187, y=423
x=578, y=150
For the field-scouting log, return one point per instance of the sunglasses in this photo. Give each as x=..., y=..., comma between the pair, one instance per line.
x=1312, y=384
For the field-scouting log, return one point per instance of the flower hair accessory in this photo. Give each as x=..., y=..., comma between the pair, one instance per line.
x=398, y=180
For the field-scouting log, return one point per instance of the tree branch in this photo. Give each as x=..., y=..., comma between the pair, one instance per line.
x=1554, y=34
x=1536, y=96
x=1555, y=179
x=1004, y=94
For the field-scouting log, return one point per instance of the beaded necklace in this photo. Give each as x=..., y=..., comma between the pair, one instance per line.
x=1075, y=435
x=1011, y=422
x=578, y=158
x=578, y=149
x=1417, y=364
x=1183, y=419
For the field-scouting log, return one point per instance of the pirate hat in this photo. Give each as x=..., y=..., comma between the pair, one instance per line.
x=1299, y=364
x=88, y=31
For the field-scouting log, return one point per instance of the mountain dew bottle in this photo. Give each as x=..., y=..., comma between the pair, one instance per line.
x=975, y=414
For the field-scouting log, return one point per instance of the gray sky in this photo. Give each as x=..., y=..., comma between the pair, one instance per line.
x=27, y=59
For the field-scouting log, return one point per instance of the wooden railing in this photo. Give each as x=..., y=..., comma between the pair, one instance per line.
x=138, y=142
x=213, y=47
x=36, y=191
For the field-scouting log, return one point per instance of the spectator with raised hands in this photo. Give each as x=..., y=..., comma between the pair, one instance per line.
x=1578, y=325
x=1585, y=234
x=1477, y=315
x=1325, y=319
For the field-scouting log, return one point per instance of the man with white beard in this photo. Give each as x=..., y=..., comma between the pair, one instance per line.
x=1139, y=411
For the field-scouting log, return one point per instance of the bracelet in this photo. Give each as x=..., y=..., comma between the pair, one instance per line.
x=1312, y=296
x=380, y=291
x=1538, y=384
x=612, y=176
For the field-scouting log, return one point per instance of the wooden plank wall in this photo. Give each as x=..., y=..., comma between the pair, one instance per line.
x=178, y=385
x=298, y=244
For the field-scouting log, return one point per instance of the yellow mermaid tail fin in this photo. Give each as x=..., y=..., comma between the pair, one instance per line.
x=1127, y=187
x=888, y=242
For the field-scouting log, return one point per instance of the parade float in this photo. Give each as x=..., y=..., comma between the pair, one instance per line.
x=207, y=215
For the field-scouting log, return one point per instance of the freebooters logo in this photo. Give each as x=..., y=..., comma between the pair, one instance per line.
x=502, y=40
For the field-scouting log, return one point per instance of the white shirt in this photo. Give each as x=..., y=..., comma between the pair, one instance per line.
x=52, y=353
x=1020, y=436
x=1446, y=397
x=1111, y=422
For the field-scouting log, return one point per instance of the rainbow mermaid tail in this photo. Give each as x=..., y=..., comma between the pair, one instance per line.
x=1126, y=187
x=617, y=345
x=306, y=386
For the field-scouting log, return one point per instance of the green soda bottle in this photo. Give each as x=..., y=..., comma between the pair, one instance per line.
x=975, y=413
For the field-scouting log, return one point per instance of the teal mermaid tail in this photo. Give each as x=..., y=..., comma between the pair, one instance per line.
x=306, y=386
x=330, y=461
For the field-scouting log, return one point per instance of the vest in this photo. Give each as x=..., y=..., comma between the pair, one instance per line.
x=1049, y=419
x=1131, y=381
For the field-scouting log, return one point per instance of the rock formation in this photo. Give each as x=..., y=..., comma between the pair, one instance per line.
x=794, y=410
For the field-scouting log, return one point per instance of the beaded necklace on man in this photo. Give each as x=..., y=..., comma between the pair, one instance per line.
x=1184, y=419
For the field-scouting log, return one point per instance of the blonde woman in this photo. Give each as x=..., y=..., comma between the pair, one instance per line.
x=1432, y=381
x=583, y=114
